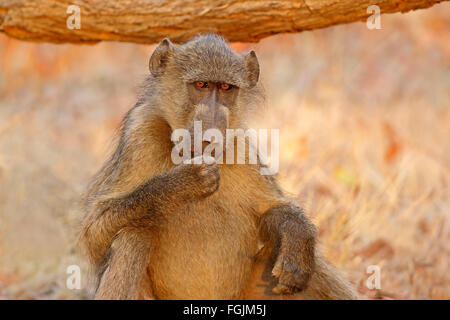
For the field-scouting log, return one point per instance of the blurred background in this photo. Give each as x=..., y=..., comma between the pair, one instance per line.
x=364, y=119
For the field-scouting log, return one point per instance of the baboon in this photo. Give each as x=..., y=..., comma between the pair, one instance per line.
x=158, y=230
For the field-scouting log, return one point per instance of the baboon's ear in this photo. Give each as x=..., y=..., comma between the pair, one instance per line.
x=252, y=68
x=160, y=56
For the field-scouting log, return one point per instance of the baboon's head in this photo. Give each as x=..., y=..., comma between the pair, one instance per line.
x=204, y=79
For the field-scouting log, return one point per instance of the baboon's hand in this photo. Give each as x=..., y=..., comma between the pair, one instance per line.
x=202, y=179
x=294, y=265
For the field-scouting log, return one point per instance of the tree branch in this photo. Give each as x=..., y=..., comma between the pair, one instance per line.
x=149, y=21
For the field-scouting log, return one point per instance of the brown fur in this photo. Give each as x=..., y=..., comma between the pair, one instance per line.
x=158, y=230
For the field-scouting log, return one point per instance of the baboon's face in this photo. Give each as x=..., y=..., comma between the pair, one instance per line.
x=211, y=103
x=206, y=81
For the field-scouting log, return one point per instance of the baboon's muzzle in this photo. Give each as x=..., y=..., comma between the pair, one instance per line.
x=209, y=116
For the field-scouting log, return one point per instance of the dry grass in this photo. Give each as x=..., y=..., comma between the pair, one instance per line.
x=364, y=120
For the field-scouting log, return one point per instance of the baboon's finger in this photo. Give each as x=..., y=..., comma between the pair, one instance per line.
x=281, y=289
x=278, y=267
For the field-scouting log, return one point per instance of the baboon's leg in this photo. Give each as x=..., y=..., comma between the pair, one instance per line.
x=261, y=282
x=126, y=276
x=326, y=282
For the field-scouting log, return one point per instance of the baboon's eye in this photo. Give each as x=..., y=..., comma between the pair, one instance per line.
x=201, y=84
x=225, y=86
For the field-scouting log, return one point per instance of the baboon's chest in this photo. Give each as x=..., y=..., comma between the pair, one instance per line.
x=205, y=250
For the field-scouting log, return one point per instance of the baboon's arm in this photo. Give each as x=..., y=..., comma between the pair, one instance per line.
x=290, y=238
x=293, y=238
x=150, y=202
x=112, y=214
